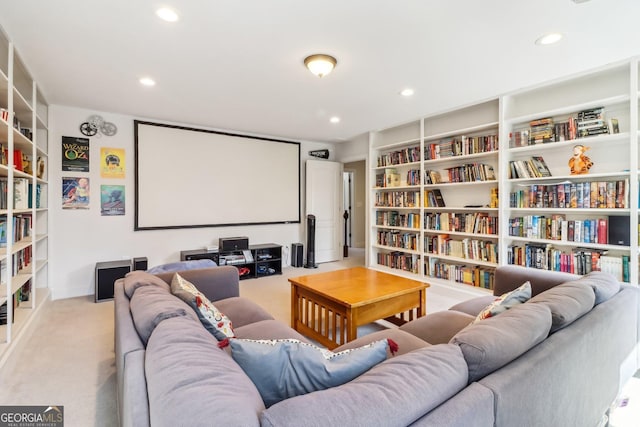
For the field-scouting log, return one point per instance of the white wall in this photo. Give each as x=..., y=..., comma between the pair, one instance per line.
x=80, y=238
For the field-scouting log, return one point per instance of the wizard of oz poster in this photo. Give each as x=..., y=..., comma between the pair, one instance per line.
x=75, y=154
x=112, y=162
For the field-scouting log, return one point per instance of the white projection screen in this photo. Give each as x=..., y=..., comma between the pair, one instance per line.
x=186, y=177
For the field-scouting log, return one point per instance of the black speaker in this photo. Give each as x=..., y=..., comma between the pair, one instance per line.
x=619, y=231
x=311, y=242
x=106, y=274
x=297, y=255
x=140, y=263
x=230, y=244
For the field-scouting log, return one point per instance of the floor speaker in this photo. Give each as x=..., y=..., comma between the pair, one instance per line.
x=311, y=242
x=140, y=264
x=106, y=274
x=297, y=254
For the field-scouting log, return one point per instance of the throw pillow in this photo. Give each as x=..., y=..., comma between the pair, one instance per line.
x=212, y=319
x=284, y=368
x=505, y=301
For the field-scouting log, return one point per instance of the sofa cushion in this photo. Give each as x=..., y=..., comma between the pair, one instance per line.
x=172, y=267
x=567, y=302
x=395, y=392
x=242, y=311
x=604, y=285
x=438, y=327
x=268, y=330
x=192, y=382
x=151, y=305
x=496, y=341
x=212, y=319
x=406, y=342
x=505, y=301
x=136, y=279
x=281, y=369
x=474, y=305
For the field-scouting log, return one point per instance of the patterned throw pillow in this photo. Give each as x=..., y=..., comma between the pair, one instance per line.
x=505, y=301
x=212, y=319
x=284, y=368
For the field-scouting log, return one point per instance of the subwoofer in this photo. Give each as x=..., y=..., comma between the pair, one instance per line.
x=106, y=274
x=311, y=242
x=140, y=263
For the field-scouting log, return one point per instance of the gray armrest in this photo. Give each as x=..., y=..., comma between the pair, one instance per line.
x=509, y=277
x=215, y=283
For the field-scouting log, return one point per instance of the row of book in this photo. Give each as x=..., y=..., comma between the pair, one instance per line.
x=21, y=295
x=476, y=222
x=4, y=115
x=21, y=225
x=478, y=276
x=556, y=227
x=433, y=198
x=474, y=249
x=463, y=146
x=577, y=261
x=22, y=193
x=400, y=261
x=585, y=123
x=397, y=219
x=406, y=155
x=580, y=195
x=535, y=167
x=397, y=199
x=398, y=239
x=470, y=172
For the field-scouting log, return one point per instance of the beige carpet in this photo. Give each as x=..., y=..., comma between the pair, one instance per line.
x=67, y=357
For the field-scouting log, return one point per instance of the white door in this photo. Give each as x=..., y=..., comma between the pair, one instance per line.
x=324, y=201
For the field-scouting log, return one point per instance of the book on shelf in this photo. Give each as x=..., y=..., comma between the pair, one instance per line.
x=433, y=198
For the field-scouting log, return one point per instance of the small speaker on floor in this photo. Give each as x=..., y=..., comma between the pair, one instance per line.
x=140, y=263
x=106, y=274
x=297, y=254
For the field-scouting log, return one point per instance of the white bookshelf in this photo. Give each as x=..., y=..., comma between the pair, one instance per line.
x=616, y=158
x=23, y=284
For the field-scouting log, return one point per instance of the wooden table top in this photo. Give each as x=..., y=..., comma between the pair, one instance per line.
x=358, y=286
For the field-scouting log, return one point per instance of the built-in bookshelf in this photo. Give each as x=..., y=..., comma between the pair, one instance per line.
x=545, y=177
x=24, y=216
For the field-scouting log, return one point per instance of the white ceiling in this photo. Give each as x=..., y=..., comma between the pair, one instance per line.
x=238, y=64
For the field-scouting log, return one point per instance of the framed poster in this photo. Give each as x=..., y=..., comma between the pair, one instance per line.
x=112, y=162
x=111, y=200
x=75, y=193
x=75, y=154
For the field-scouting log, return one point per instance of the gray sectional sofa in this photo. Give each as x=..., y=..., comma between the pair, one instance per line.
x=556, y=360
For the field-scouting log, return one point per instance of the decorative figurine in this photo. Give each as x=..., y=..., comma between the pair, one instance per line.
x=580, y=163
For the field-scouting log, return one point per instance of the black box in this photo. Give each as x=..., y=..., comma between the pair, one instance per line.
x=106, y=274
x=297, y=255
x=229, y=244
x=619, y=231
x=140, y=263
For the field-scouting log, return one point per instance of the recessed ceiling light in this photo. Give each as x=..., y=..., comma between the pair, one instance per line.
x=407, y=92
x=167, y=14
x=335, y=119
x=549, y=38
x=147, y=81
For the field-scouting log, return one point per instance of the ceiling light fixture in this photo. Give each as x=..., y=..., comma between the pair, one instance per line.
x=407, y=92
x=549, y=38
x=147, y=81
x=335, y=119
x=320, y=64
x=167, y=14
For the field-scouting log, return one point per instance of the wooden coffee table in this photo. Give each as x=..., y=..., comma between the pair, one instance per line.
x=329, y=307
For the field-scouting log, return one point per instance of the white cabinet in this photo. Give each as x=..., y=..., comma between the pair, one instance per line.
x=24, y=220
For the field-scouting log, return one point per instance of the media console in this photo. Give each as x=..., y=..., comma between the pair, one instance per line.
x=257, y=261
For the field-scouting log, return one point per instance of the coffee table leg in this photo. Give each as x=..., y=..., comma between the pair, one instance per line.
x=352, y=327
x=294, y=307
x=422, y=309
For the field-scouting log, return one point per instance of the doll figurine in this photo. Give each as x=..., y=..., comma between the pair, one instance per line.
x=580, y=163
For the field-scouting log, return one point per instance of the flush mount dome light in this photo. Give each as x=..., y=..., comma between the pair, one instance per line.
x=167, y=14
x=147, y=81
x=407, y=92
x=320, y=64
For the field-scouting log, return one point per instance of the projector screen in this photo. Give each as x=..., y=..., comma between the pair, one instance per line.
x=186, y=177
